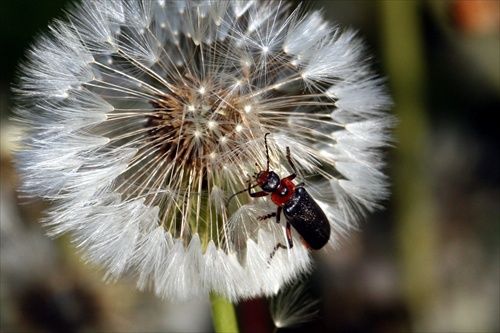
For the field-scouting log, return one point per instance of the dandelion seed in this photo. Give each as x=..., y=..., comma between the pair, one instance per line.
x=141, y=118
x=293, y=306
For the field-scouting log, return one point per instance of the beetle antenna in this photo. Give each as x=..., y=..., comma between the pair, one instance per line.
x=233, y=195
x=239, y=192
x=267, y=151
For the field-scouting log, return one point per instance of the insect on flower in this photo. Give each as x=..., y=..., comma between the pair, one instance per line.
x=299, y=208
x=140, y=118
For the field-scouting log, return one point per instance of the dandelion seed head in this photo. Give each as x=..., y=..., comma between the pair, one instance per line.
x=142, y=118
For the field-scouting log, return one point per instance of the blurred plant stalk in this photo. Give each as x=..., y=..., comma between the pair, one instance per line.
x=402, y=44
x=223, y=315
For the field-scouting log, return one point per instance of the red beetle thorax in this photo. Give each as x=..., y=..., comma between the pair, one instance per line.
x=278, y=197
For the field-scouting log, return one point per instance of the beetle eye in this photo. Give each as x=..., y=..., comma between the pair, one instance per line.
x=261, y=177
x=272, y=182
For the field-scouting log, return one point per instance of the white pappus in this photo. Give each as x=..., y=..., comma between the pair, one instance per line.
x=141, y=118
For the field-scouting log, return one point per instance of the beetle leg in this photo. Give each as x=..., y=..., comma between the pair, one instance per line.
x=256, y=194
x=289, y=235
x=278, y=246
x=288, y=230
x=265, y=217
x=278, y=214
x=289, y=159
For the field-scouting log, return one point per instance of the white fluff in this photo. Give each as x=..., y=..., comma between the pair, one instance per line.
x=141, y=119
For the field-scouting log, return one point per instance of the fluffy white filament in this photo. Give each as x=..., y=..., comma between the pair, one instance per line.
x=141, y=118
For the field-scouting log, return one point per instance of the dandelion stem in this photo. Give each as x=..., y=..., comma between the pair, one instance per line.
x=223, y=314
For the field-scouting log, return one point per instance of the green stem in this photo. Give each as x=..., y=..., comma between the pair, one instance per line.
x=416, y=221
x=223, y=315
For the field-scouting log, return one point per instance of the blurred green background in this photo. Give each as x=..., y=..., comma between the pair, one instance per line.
x=428, y=263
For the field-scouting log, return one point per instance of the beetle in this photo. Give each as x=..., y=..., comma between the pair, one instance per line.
x=299, y=208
